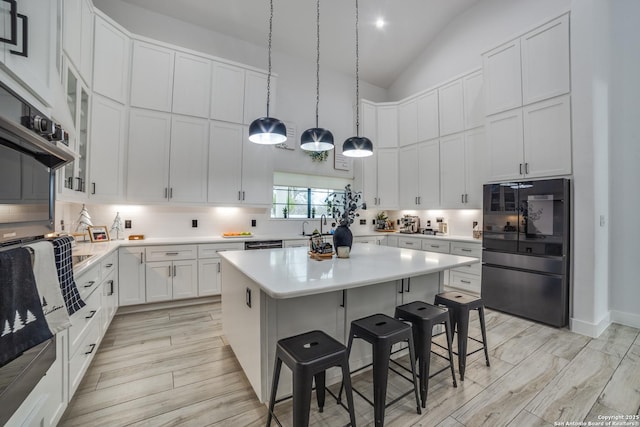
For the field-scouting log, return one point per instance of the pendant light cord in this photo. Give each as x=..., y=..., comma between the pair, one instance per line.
x=269, y=61
x=357, y=77
x=317, y=59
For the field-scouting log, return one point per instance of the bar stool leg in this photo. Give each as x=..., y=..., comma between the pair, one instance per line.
x=449, y=332
x=381, y=356
x=346, y=382
x=320, y=392
x=274, y=388
x=484, y=334
x=302, y=400
x=412, y=357
x=424, y=360
x=348, y=354
x=463, y=332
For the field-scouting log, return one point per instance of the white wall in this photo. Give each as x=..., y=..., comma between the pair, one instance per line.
x=457, y=48
x=295, y=93
x=624, y=162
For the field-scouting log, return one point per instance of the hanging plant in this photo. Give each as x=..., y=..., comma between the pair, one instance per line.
x=318, y=156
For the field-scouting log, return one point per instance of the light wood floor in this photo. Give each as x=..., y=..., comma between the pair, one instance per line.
x=174, y=367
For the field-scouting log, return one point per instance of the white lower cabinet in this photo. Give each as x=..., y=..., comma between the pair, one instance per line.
x=374, y=240
x=298, y=243
x=168, y=280
x=468, y=277
x=131, y=276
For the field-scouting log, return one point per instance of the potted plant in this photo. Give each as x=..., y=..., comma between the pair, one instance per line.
x=343, y=207
x=381, y=220
x=285, y=212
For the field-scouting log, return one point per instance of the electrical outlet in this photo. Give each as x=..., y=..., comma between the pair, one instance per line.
x=194, y=223
x=363, y=222
x=127, y=223
x=253, y=222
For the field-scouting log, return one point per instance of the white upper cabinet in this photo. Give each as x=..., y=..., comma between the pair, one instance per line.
x=473, y=100
x=369, y=121
x=427, y=116
x=450, y=100
x=257, y=172
x=408, y=123
x=255, y=96
x=387, y=126
x=33, y=62
x=419, y=176
x=370, y=179
x=545, y=61
x=148, y=156
x=106, y=154
x=152, y=76
x=78, y=35
x=188, y=154
x=225, y=163
x=547, y=137
x=111, y=61
x=461, y=170
x=502, y=78
x=227, y=93
x=408, y=168
x=191, y=85
x=505, y=151
x=388, y=179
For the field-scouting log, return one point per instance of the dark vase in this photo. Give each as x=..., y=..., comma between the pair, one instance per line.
x=342, y=237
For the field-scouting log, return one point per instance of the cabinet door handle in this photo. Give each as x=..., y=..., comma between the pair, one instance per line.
x=93, y=188
x=92, y=347
x=526, y=168
x=90, y=284
x=141, y=257
x=166, y=193
x=171, y=253
x=91, y=314
x=110, y=287
x=466, y=198
x=171, y=193
x=419, y=200
x=520, y=168
x=219, y=268
x=243, y=195
x=462, y=198
x=342, y=303
x=169, y=271
x=13, y=13
x=78, y=183
x=408, y=284
x=239, y=195
x=174, y=271
x=401, y=291
x=25, y=37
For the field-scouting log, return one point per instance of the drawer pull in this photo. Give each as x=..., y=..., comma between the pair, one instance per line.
x=91, y=314
x=90, y=284
x=409, y=243
x=465, y=281
x=108, y=265
x=465, y=250
x=435, y=246
x=93, y=347
x=171, y=253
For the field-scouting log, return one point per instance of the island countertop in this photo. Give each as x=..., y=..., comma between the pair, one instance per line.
x=289, y=272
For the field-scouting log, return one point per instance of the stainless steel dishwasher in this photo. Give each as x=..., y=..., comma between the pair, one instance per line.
x=262, y=244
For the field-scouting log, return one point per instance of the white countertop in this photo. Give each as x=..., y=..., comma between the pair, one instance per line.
x=288, y=273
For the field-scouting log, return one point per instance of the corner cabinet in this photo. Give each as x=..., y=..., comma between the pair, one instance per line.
x=209, y=271
x=152, y=69
x=131, y=276
x=111, y=58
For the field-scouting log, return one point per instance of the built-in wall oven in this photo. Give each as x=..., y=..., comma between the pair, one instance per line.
x=30, y=151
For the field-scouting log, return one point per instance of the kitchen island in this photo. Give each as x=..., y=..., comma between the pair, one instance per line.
x=271, y=294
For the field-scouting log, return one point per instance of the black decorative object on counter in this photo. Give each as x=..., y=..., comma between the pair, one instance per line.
x=342, y=237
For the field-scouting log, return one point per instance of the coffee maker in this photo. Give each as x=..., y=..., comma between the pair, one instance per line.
x=410, y=224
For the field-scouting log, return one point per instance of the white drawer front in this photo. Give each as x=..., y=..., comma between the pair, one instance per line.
x=407, y=242
x=475, y=269
x=466, y=249
x=467, y=282
x=109, y=264
x=79, y=361
x=436, y=246
x=83, y=319
x=89, y=281
x=211, y=250
x=171, y=253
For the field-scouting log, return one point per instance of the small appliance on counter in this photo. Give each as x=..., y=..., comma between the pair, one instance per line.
x=443, y=229
x=410, y=224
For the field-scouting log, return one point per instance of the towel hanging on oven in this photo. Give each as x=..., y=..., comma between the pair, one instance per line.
x=22, y=321
x=44, y=271
x=62, y=250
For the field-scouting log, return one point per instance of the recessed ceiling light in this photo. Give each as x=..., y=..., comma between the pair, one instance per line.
x=380, y=23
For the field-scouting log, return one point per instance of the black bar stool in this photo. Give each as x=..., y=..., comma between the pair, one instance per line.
x=309, y=355
x=382, y=332
x=423, y=318
x=459, y=305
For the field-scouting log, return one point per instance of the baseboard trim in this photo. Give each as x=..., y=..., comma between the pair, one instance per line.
x=589, y=329
x=627, y=319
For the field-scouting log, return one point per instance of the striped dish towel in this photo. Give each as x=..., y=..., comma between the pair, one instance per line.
x=62, y=250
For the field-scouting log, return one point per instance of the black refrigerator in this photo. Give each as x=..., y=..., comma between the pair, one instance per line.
x=525, y=249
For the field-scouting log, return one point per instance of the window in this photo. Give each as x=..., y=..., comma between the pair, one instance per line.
x=299, y=202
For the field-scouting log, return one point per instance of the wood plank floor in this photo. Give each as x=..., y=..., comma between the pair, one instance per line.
x=174, y=367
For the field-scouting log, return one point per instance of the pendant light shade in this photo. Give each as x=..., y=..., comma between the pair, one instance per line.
x=317, y=138
x=268, y=130
x=357, y=146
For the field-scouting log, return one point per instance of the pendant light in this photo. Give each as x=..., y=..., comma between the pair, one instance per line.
x=357, y=146
x=268, y=130
x=317, y=138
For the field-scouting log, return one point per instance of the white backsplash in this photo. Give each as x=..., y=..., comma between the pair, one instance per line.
x=172, y=221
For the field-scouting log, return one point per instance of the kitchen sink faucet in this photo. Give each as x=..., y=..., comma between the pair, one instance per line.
x=323, y=216
x=303, y=223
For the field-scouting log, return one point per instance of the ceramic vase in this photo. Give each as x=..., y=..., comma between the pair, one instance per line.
x=342, y=237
